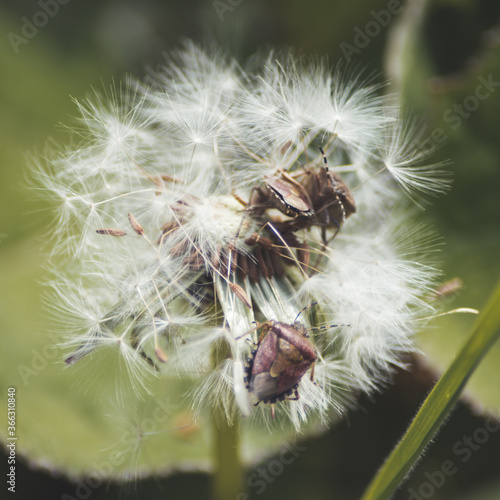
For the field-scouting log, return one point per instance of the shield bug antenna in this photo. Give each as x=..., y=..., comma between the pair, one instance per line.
x=312, y=304
x=321, y=327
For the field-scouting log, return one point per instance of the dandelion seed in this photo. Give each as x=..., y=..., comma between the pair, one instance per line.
x=112, y=232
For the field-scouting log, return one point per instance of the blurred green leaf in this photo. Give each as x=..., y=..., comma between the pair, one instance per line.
x=468, y=215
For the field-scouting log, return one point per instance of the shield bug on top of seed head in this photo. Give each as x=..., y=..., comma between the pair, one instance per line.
x=331, y=199
x=283, y=192
x=283, y=355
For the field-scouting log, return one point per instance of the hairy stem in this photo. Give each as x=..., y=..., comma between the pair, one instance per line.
x=438, y=404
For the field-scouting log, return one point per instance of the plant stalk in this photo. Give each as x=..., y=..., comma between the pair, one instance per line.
x=228, y=473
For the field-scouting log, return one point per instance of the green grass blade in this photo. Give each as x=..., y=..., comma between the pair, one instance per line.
x=438, y=404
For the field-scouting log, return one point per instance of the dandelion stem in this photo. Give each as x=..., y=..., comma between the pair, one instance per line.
x=227, y=481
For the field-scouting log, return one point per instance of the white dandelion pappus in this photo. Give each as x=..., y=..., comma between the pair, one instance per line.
x=205, y=204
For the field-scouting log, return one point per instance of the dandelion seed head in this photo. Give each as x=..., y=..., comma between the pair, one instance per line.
x=197, y=214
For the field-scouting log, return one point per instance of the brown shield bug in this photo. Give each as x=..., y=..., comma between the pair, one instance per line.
x=318, y=198
x=332, y=200
x=283, y=355
x=285, y=194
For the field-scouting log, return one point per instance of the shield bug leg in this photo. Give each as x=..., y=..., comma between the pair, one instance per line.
x=260, y=201
x=312, y=371
x=239, y=199
x=295, y=396
x=264, y=242
x=340, y=189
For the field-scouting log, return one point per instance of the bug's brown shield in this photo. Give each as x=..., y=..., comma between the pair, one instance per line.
x=280, y=361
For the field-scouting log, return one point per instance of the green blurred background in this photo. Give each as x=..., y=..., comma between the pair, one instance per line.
x=434, y=54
